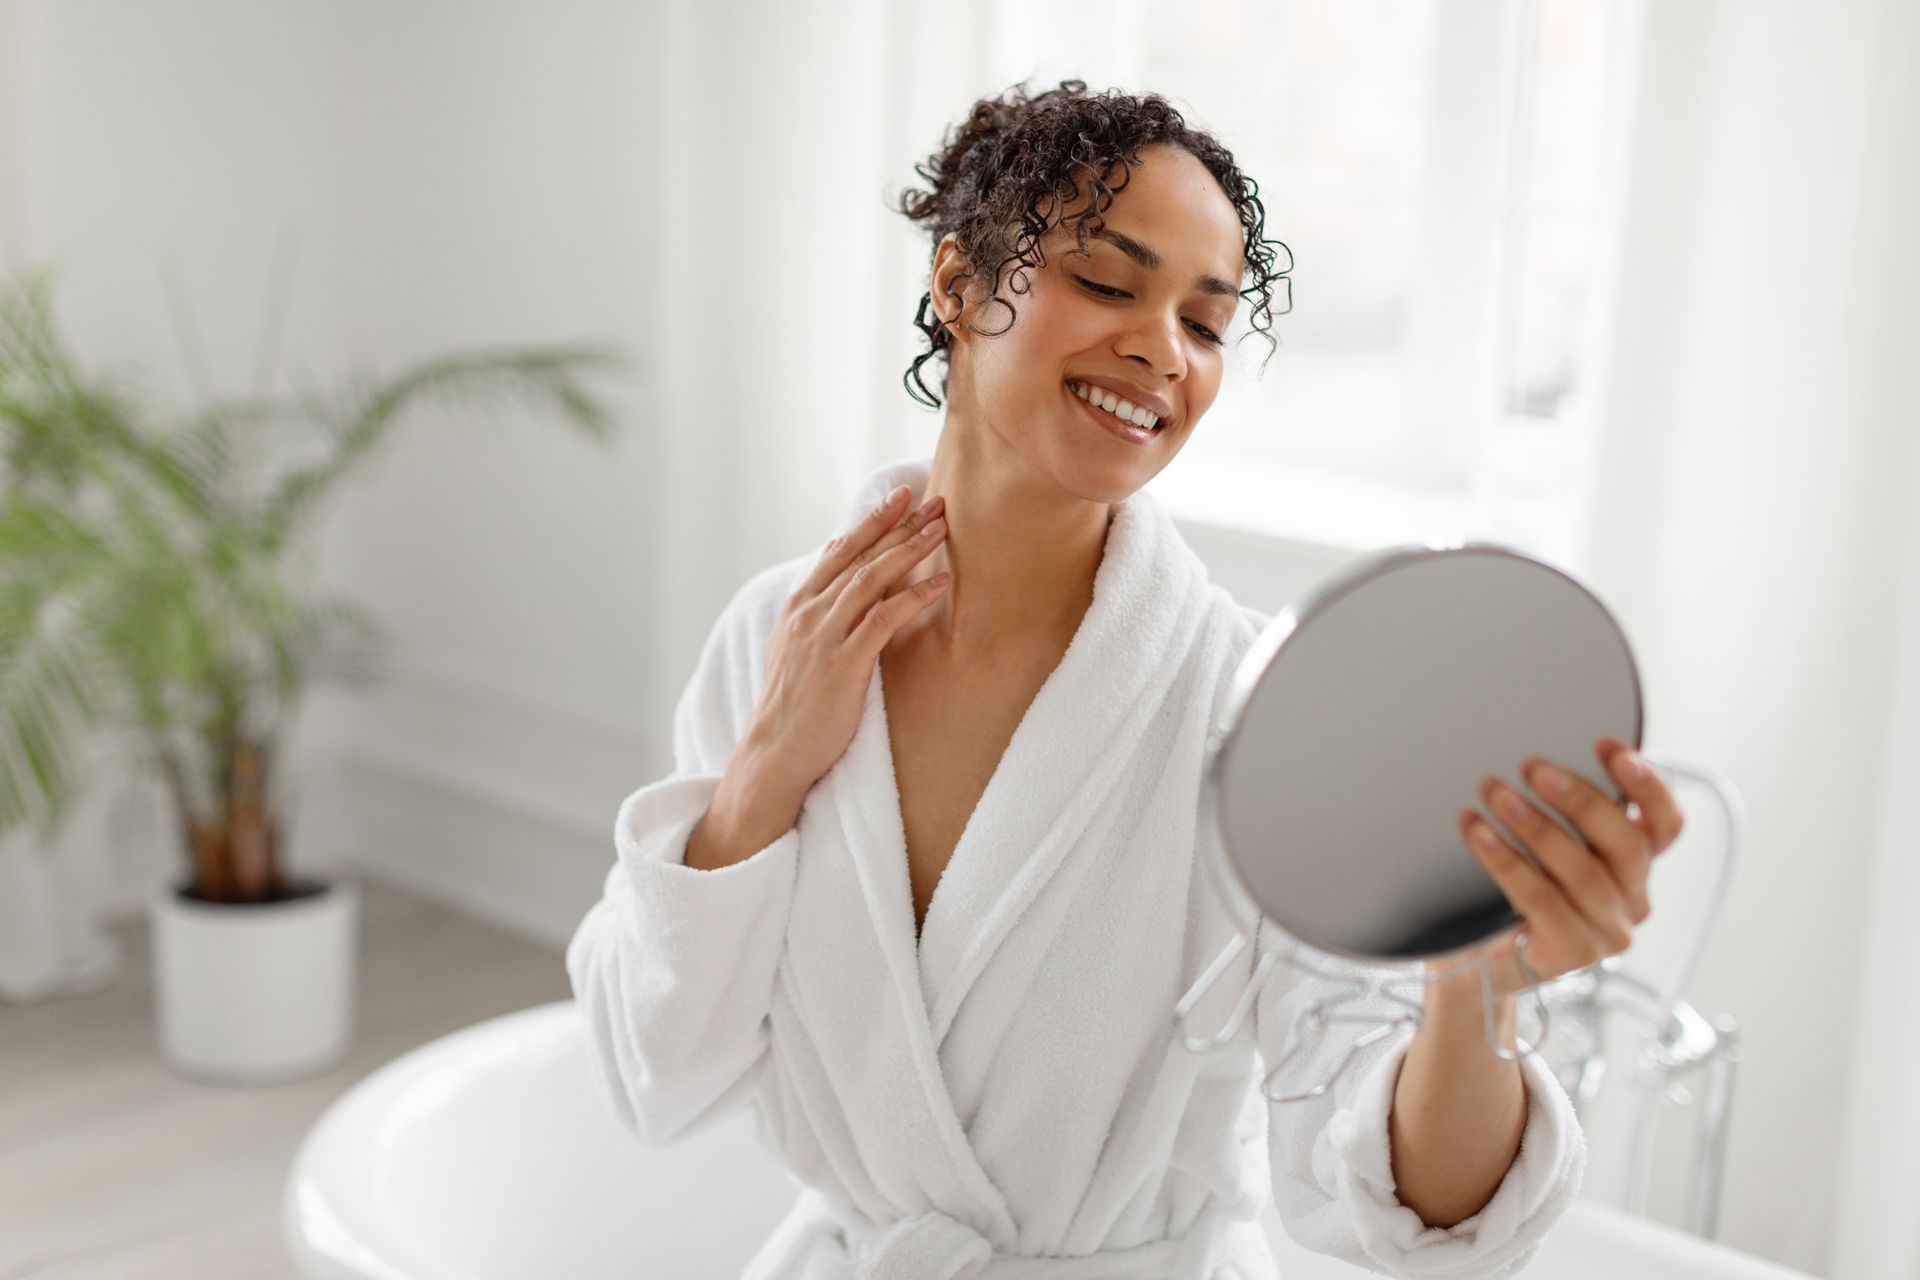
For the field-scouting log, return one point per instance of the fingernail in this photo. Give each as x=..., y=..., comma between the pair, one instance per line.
x=1551, y=780
x=1629, y=766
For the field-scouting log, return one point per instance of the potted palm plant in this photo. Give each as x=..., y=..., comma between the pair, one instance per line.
x=154, y=587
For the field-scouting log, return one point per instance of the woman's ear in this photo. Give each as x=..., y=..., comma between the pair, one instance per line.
x=949, y=271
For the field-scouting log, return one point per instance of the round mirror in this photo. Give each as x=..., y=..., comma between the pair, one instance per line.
x=1364, y=717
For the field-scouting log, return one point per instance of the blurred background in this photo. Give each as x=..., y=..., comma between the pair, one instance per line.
x=1627, y=285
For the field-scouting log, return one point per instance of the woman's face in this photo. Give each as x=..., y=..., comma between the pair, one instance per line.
x=1152, y=325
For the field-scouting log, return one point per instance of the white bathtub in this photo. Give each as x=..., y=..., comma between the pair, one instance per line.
x=490, y=1153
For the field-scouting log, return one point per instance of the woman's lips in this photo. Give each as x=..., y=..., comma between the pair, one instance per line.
x=1116, y=428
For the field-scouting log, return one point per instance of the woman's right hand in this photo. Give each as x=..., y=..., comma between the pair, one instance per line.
x=822, y=651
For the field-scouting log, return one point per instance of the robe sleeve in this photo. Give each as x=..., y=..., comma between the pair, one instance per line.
x=673, y=966
x=1331, y=1157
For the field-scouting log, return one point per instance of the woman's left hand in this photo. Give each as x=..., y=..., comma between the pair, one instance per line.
x=1584, y=899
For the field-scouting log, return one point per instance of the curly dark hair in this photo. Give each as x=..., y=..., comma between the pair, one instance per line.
x=1015, y=154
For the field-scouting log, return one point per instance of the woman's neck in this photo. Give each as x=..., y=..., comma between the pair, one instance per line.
x=1022, y=554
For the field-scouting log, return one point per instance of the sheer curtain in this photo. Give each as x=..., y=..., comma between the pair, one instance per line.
x=1739, y=494
x=1753, y=516
x=1447, y=172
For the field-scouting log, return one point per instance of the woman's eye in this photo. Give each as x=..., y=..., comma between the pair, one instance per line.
x=1103, y=291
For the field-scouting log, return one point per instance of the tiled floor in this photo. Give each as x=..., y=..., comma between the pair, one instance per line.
x=113, y=1166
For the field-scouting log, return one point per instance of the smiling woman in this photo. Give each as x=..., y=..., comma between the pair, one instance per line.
x=1008, y=164
x=924, y=885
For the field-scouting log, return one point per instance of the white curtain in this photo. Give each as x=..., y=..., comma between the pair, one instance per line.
x=1753, y=515
x=1747, y=497
x=784, y=326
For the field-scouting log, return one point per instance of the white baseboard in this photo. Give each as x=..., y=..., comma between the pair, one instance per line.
x=526, y=861
x=425, y=785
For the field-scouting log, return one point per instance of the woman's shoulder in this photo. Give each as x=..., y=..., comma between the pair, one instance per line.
x=748, y=617
x=760, y=597
x=1241, y=623
x=719, y=697
x=1237, y=627
x=1229, y=627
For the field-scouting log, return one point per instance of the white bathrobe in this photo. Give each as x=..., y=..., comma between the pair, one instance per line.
x=1010, y=1096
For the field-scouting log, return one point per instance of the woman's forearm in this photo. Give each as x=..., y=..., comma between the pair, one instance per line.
x=751, y=808
x=1458, y=1110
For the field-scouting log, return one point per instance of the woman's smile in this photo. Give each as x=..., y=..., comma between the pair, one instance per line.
x=1114, y=426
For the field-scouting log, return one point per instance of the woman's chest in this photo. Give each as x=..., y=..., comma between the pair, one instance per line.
x=949, y=731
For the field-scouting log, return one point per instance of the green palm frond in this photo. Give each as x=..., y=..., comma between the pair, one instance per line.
x=49, y=703
x=536, y=379
x=328, y=639
x=47, y=684
x=146, y=580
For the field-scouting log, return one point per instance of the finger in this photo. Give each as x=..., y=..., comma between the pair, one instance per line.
x=1581, y=875
x=870, y=580
x=842, y=548
x=917, y=520
x=1660, y=815
x=887, y=617
x=1603, y=820
x=1540, y=902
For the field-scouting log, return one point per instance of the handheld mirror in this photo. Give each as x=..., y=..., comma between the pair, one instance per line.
x=1362, y=720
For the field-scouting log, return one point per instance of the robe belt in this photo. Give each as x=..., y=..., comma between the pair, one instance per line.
x=937, y=1246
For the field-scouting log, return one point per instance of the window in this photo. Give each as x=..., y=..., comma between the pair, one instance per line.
x=1439, y=169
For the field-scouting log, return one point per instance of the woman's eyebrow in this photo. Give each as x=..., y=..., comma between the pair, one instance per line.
x=1147, y=258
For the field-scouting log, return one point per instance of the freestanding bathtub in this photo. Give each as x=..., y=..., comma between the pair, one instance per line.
x=490, y=1154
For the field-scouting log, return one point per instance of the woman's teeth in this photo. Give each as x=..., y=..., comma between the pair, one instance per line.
x=1113, y=404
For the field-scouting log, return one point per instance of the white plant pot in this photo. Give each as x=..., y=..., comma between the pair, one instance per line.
x=256, y=993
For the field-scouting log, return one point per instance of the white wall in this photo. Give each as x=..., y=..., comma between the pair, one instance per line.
x=458, y=173
x=17, y=92
x=448, y=175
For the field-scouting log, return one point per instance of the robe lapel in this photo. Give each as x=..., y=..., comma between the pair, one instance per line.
x=1092, y=712
x=858, y=969
x=1081, y=731
x=885, y=1004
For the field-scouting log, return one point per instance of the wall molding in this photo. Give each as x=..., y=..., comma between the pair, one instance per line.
x=511, y=854
x=450, y=678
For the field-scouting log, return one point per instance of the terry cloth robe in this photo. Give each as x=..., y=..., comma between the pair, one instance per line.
x=1008, y=1095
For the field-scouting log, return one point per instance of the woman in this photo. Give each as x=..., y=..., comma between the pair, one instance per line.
x=923, y=887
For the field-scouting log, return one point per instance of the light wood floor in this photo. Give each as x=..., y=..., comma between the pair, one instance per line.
x=112, y=1166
